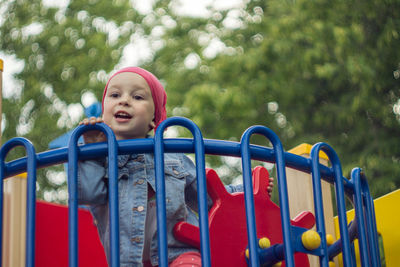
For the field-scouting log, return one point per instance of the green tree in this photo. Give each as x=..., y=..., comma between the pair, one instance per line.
x=67, y=52
x=310, y=70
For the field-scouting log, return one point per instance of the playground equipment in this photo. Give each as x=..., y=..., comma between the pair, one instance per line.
x=295, y=237
x=388, y=216
x=229, y=239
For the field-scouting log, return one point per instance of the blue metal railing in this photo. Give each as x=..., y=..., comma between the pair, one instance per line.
x=364, y=226
x=73, y=192
x=198, y=144
x=31, y=194
x=340, y=199
x=248, y=191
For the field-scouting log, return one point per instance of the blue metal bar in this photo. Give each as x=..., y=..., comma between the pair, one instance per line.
x=359, y=213
x=337, y=169
x=249, y=199
x=371, y=223
x=361, y=220
x=272, y=255
x=214, y=147
x=198, y=146
x=336, y=248
x=73, y=150
x=353, y=254
x=31, y=195
x=319, y=207
x=1, y=202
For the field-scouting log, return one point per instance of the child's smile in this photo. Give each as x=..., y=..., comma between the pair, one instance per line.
x=122, y=116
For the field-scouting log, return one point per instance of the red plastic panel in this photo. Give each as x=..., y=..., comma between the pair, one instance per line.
x=227, y=222
x=52, y=237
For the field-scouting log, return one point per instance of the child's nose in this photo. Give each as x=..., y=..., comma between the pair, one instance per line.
x=124, y=100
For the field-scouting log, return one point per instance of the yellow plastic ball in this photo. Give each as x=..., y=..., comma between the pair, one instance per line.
x=331, y=264
x=247, y=253
x=264, y=242
x=329, y=239
x=311, y=239
x=278, y=264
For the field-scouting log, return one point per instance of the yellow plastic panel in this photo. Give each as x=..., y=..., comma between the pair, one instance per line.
x=387, y=212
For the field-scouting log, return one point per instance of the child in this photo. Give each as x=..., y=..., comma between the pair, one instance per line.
x=133, y=105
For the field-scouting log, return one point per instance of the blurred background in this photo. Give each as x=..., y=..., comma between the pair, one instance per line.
x=310, y=70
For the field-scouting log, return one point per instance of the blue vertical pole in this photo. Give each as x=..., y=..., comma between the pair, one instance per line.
x=198, y=144
x=361, y=218
x=1, y=206
x=31, y=194
x=249, y=199
x=31, y=206
x=319, y=207
x=371, y=223
x=73, y=192
x=3, y=154
x=337, y=170
x=73, y=198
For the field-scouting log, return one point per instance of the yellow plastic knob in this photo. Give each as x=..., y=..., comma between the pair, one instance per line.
x=311, y=239
x=331, y=264
x=247, y=253
x=264, y=242
x=329, y=239
x=278, y=264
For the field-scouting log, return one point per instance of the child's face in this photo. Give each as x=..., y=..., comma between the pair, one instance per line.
x=128, y=106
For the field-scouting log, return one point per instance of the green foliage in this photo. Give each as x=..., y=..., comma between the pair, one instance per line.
x=309, y=70
x=67, y=56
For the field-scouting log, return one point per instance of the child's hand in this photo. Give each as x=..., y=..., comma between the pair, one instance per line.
x=93, y=136
x=270, y=186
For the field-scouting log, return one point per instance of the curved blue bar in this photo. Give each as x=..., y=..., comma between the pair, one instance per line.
x=360, y=214
x=248, y=191
x=211, y=146
x=1, y=204
x=319, y=207
x=337, y=170
x=31, y=194
x=73, y=150
x=371, y=222
x=198, y=146
x=337, y=247
x=357, y=188
x=272, y=255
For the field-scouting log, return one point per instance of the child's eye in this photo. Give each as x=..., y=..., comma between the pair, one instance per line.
x=113, y=95
x=138, y=97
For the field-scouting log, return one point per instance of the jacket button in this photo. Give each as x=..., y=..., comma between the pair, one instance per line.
x=175, y=171
x=140, y=208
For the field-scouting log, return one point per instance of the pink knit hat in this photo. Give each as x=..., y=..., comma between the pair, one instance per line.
x=157, y=92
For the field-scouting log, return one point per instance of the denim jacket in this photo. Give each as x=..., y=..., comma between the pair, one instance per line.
x=135, y=172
